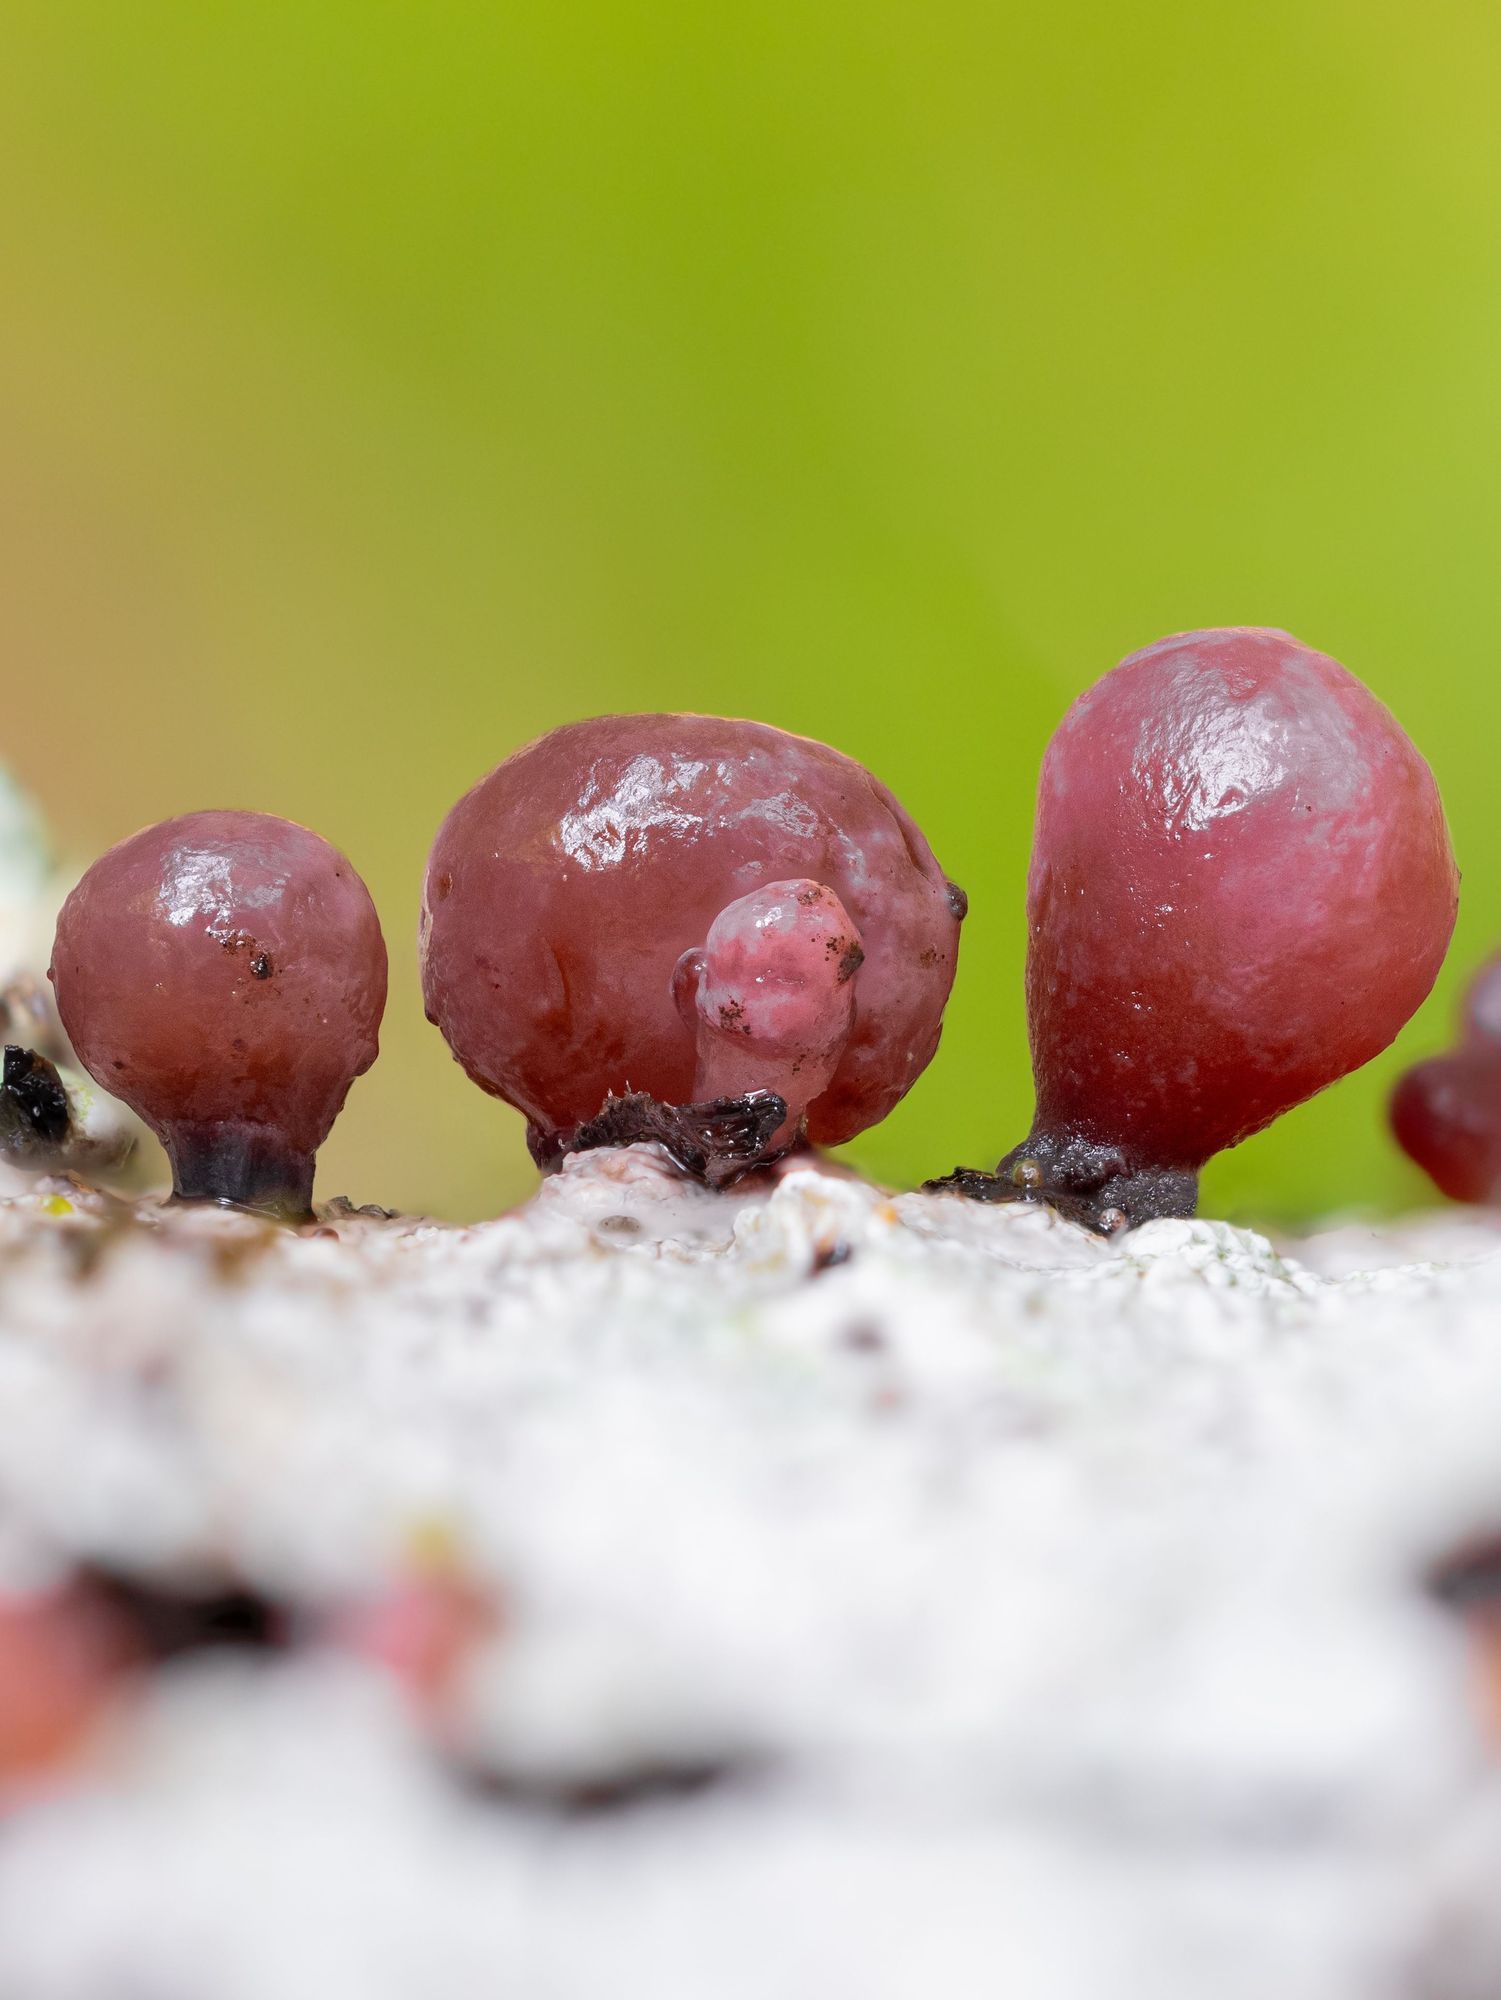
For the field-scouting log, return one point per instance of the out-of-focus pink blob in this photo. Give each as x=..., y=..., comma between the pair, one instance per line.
x=65, y=1657
x=421, y=1630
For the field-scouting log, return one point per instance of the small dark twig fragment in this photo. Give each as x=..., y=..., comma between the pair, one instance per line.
x=1468, y=1579
x=34, y=1115
x=715, y=1142
x=173, y=1617
x=649, y=1785
x=976, y=1185
x=1086, y=1183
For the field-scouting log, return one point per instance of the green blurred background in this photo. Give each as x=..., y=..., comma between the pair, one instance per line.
x=382, y=385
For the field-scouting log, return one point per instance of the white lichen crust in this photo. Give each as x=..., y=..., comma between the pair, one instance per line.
x=894, y=1597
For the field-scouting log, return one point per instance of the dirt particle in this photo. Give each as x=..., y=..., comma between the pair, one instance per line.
x=863, y=1336
x=620, y=1225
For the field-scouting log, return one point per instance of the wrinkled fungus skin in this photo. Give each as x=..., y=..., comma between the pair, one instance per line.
x=1446, y=1112
x=224, y=973
x=564, y=889
x=1241, y=888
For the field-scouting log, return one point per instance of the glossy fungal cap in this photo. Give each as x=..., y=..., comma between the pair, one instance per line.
x=772, y=996
x=225, y=974
x=1241, y=887
x=564, y=888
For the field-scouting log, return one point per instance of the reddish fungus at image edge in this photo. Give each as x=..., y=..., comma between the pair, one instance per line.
x=1446, y=1112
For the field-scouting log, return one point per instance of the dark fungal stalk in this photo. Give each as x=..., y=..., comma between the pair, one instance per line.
x=239, y=1165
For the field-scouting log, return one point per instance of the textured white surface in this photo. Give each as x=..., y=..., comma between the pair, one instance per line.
x=992, y=1610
